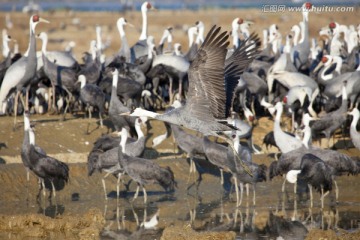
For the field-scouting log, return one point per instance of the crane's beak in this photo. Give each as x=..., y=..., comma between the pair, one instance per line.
x=125, y=114
x=318, y=66
x=43, y=20
x=130, y=25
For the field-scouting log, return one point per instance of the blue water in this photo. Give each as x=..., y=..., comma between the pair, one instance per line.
x=169, y=4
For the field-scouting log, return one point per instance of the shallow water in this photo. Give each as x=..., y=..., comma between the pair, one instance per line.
x=211, y=207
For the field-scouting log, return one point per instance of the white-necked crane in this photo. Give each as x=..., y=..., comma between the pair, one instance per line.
x=140, y=48
x=21, y=73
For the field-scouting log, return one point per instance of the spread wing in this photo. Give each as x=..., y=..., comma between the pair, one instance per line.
x=207, y=96
x=237, y=63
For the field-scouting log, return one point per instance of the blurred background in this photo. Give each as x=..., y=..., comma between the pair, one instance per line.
x=123, y=5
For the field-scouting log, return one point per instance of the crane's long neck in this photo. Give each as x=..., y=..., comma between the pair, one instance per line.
x=191, y=37
x=143, y=35
x=355, y=121
x=296, y=36
x=279, y=111
x=121, y=30
x=306, y=31
x=6, y=49
x=307, y=139
x=200, y=36
x=235, y=35
x=115, y=80
x=44, y=45
x=325, y=76
x=302, y=29
x=124, y=136
x=26, y=123
x=163, y=37
x=339, y=63
x=265, y=38
x=98, y=38
x=31, y=137
x=31, y=52
x=344, y=96
x=138, y=130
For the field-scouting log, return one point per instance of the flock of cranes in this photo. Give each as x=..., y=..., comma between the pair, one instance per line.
x=213, y=89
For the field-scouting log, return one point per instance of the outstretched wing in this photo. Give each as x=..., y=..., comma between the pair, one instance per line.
x=236, y=64
x=206, y=96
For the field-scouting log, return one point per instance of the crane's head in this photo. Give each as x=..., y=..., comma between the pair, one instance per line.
x=122, y=21
x=82, y=80
x=308, y=5
x=34, y=20
x=147, y=6
x=285, y=98
x=332, y=25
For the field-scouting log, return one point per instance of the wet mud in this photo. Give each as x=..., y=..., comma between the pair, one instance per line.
x=80, y=211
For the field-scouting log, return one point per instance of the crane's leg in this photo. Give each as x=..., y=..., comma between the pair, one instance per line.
x=180, y=87
x=171, y=93
x=311, y=195
x=53, y=189
x=336, y=191
x=54, y=109
x=89, y=111
x=221, y=176
x=236, y=191
x=103, y=183
x=283, y=185
x=322, y=197
x=40, y=188
x=254, y=194
x=27, y=174
x=136, y=193
x=16, y=107
x=26, y=107
x=43, y=187
x=101, y=121
x=241, y=193
x=191, y=169
x=145, y=194
x=118, y=186
x=247, y=186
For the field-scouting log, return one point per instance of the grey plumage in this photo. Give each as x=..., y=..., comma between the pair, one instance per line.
x=46, y=167
x=207, y=94
x=144, y=171
x=217, y=154
x=316, y=172
x=292, y=160
x=329, y=123
x=116, y=108
x=92, y=68
x=91, y=95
